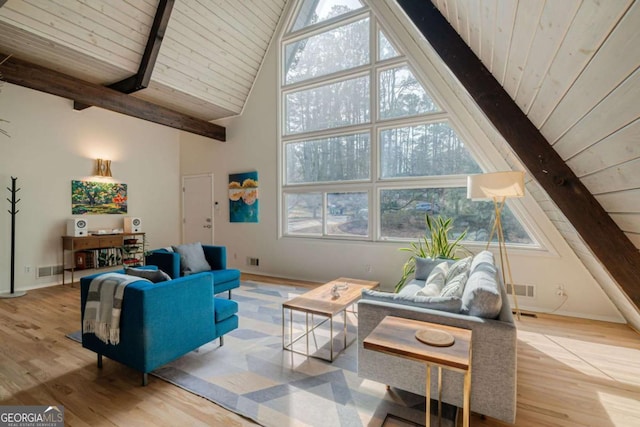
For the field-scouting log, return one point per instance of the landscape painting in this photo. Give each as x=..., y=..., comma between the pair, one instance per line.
x=243, y=197
x=98, y=198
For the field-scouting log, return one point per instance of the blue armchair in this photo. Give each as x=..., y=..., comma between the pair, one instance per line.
x=224, y=279
x=161, y=322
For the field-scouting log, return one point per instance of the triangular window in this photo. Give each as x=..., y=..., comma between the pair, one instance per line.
x=366, y=149
x=314, y=11
x=385, y=48
x=400, y=94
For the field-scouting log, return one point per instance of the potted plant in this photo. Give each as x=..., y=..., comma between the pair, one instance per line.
x=435, y=244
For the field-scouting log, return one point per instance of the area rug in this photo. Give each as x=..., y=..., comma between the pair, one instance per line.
x=253, y=376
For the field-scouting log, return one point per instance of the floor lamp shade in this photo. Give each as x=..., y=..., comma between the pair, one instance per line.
x=495, y=185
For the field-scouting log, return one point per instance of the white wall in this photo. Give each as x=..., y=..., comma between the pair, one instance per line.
x=51, y=145
x=252, y=145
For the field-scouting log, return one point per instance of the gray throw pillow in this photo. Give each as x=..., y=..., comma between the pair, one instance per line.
x=192, y=258
x=451, y=304
x=156, y=276
x=424, y=266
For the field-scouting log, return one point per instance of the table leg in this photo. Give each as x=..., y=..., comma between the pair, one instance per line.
x=467, y=398
x=291, y=328
x=439, y=396
x=331, y=336
x=283, y=346
x=307, y=331
x=344, y=316
x=428, y=409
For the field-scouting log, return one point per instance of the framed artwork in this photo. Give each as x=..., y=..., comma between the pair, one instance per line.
x=243, y=197
x=98, y=198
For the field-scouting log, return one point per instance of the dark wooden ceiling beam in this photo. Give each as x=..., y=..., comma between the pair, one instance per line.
x=39, y=78
x=142, y=78
x=601, y=234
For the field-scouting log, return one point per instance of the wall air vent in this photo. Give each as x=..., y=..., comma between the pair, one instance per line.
x=51, y=270
x=526, y=291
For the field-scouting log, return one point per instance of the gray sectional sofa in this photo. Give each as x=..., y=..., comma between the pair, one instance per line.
x=494, y=341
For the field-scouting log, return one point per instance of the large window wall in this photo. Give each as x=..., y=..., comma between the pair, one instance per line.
x=367, y=152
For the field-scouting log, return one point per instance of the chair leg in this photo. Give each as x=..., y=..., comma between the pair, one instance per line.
x=221, y=340
x=229, y=293
x=99, y=361
x=145, y=379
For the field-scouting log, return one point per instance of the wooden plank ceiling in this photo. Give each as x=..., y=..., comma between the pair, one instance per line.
x=207, y=63
x=573, y=68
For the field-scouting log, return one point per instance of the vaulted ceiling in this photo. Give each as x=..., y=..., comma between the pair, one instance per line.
x=208, y=60
x=571, y=66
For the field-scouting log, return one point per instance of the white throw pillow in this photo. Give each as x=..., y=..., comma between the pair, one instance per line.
x=461, y=266
x=455, y=286
x=435, y=282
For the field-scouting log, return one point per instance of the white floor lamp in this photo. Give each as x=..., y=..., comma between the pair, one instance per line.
x=498, y=186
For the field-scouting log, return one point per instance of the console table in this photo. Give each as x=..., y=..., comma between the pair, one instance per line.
x=102, y=251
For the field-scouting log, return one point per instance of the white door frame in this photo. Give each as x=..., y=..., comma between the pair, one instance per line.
x=210, y=175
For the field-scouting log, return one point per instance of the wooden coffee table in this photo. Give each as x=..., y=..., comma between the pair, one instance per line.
x=397, y=336
x=321, y=301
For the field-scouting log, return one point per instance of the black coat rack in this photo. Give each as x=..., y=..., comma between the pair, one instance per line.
x=13, y=211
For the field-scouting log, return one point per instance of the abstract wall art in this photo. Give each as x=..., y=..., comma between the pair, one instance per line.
x=243, y=197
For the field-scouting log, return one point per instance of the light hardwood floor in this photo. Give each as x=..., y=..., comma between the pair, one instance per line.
x=571, y=372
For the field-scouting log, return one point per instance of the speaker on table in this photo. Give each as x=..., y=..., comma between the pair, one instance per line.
x=77, y=227
x=132, y=224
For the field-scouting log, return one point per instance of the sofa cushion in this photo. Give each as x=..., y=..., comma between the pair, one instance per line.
x=481, y=296
x=224, y=308
x=156, y=276
x=449, y=304
x=226, y=275
x=192, y=258
x=435, y=281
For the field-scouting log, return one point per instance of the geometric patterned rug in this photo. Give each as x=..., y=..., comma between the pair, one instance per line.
x=253, y=376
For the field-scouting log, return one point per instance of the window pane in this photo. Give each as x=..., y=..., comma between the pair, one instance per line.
x=339, y=158
x=402, y=214
x=339, y=49
x=338, y=104
x=314, y=11
x=385, y=48
x=424, y=150
x=304, y=213
x=348, y=214
x=401, y=95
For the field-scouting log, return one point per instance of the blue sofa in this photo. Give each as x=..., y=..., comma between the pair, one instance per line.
x=161, y=322
x=224, y=279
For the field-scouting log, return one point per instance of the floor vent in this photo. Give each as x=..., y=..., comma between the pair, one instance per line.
x=51, y=270
x=527, y=291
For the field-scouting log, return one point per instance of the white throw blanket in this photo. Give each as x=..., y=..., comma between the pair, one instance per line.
x=104, y=305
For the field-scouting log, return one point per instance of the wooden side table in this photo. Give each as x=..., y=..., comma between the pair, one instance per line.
x=396, y=335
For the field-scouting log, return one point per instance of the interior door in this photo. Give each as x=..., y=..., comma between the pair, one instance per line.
x=197, y=209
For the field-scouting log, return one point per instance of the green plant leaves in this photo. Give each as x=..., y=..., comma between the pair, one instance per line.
x=434, y=244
